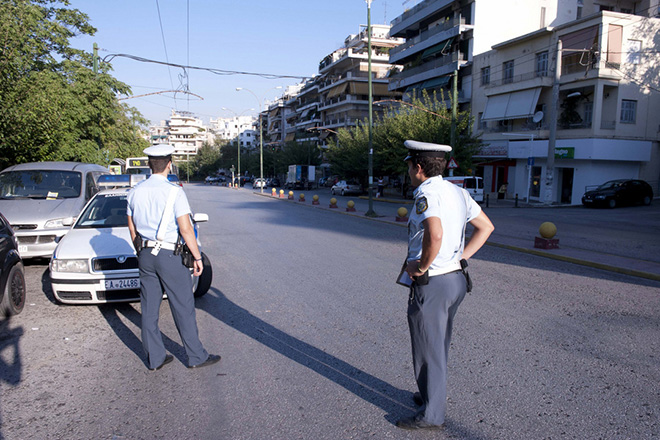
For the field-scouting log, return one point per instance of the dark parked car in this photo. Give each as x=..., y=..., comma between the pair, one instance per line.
x=619, y=192
x=12, y=276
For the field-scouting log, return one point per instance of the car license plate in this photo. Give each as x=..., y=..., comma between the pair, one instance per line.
x=127, y=283
x=22, y=249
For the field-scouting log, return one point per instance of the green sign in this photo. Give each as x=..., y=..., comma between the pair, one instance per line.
x=565, y=153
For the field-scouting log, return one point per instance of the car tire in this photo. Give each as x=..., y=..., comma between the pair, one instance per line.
x=342, y=192
x=332, y=191
x=13, y=300
x=646, y=200
x=611, y=203
x=205, y=279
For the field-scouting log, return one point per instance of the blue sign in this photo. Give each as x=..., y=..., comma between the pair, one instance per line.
x=530, y=161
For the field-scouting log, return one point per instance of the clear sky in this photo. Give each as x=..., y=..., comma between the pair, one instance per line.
x=281, y=37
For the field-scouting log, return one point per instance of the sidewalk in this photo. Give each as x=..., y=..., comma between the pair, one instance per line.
x=521, y=241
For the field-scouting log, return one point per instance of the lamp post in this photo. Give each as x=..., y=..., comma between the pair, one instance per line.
x=370, y=212
x=261, y=137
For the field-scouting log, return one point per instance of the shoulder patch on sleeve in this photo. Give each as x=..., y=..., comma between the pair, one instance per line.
x=421, y=205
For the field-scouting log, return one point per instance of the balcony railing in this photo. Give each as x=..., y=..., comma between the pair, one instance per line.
x=449, y=24
x=439, y=62
x=517, y=78
x=608, y=125
x=411, y=12
x=377, y=53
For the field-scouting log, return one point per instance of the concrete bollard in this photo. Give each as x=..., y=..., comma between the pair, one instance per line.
x=333, y=203
x=315, y=200
x=290, y=195
x=350, y=206
x=281, y=194
x=402, y=214
x=273, y=192
x=546, y=240
x=301, y=198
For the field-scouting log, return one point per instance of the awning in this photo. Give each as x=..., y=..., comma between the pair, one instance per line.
x=338, y=90
x=305, y=113
x=436, y=82
x=362, y=88
x=582, y=39
x=516, y=105
x=324, y=134
x=441, y=47
x=289, y=137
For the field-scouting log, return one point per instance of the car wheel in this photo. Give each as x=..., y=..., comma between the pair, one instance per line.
x=14, y=298
x=342, y=192
x=647, y=200
x=205, y=279
x=332, y=191
x=611, y=203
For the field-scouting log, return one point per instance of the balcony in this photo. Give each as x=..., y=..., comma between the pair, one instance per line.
x=400, y=52
x=417, y=14
x=377, y=55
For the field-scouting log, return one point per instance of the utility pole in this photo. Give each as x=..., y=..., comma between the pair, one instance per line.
x=95, y=56
x=370, y=212
x=454, y=114
x=552, y=138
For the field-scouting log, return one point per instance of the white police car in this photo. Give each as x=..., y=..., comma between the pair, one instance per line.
x=95, y=262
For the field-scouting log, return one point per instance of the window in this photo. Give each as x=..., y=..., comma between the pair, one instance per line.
x=588, y=113
x=507, y=68
x=485, y=75
x=626, y=11
x=606, y=8
x=580, y=4
x=542, y=64
x=634, y=51
x=483, y=125
x=628, y=111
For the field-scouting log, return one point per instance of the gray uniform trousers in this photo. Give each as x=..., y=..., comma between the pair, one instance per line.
x=166, y=272
x=431, y=312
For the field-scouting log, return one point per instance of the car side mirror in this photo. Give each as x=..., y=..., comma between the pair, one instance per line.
x=68, y=221
x=200, y=217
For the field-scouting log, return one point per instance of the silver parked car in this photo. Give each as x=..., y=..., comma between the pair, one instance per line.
x=41, y=200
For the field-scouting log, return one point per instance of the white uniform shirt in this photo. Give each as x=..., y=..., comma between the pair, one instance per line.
x=146, y=203
x=454, y=207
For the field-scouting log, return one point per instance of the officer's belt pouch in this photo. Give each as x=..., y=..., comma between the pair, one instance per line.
x=182, y=249
x=138, y=244
x=468, y=280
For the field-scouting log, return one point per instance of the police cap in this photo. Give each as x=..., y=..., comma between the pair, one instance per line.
x=419, y=149
x=159, y=150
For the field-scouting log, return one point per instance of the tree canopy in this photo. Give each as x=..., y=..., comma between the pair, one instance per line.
x=427, y=120
x=54, y=107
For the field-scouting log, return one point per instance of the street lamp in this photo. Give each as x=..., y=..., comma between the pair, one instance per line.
x=261, y=136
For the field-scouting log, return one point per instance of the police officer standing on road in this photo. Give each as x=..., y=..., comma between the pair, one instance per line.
x=436, y=237
x=158, y=211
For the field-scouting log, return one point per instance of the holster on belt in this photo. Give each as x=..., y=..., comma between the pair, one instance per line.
x=138, y=244
x=464, y=265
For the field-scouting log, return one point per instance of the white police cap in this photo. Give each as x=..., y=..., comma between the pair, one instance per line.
x=159, y=150
x=417, y=149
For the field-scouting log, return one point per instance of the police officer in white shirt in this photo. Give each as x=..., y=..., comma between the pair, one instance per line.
x=436, y=237
x=158, y=211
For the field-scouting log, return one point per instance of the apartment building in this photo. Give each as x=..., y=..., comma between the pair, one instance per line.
x=235, y=129
x=443, y=36
x=608, y=111
x=185, y=132
x=303, y=114
x=342, y=87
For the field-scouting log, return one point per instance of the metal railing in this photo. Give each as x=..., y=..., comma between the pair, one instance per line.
x=438, y=62
x=449, y=24
x=517, y=78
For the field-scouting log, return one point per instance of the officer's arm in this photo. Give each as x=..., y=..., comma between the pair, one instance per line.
x=482, y=230
x=131, y=228
x=430, y=247
x=188, y=234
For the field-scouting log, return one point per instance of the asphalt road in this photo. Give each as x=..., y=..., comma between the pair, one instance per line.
x=313, y=334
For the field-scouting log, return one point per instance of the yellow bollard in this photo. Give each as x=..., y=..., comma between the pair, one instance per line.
x=333, y=202
x=301, y=197
x=273, y=191
x=402, y=214
x=546, y=241
x=315, y=200
x=290, y=195
x=350, y=206
x=281, y=194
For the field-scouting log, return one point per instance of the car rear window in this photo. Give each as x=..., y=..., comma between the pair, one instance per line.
x=41, y=184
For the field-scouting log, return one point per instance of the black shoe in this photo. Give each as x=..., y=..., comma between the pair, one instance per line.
x=415, y=423
x=417, y=398
x=168, y=358
x=212, y=359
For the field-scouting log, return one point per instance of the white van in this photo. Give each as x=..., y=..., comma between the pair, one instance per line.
x=472, y=184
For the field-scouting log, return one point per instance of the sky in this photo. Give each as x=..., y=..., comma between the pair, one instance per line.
x=280, y=37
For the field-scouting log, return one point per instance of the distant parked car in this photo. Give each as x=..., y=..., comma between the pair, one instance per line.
x=619, y=192
x=12, y=275
x=274, y=182
x=210, y=180
x=174, y=179
x=42, y=200
x=344, y=187
x=259, y=183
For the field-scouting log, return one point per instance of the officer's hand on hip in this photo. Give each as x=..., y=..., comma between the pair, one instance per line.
x=413, y=269
x=199, y=267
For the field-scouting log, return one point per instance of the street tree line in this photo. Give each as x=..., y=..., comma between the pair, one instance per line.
x=53, y=105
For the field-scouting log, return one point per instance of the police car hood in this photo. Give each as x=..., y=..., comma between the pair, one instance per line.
x=39, y=211
x=85, y=243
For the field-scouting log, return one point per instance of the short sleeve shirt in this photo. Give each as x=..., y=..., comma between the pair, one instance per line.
x=146, y=203
x=436, y=197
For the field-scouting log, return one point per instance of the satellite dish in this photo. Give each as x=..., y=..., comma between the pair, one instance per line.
x=538, y=117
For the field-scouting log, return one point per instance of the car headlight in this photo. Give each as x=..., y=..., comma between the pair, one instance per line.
x=59, y=222
x=77, y=266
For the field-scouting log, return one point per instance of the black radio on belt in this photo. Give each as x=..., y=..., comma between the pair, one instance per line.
x=138, y=244
x=468, y=280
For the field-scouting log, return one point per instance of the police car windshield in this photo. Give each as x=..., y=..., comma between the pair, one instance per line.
x=104, y=211
x=40, y=184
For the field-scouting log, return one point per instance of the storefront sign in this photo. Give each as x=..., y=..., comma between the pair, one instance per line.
x=565, y=153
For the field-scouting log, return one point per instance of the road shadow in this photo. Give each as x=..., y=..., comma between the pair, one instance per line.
x=11, y=372
x=111, y=312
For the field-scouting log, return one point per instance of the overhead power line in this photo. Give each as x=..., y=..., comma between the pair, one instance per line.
x=109, y=58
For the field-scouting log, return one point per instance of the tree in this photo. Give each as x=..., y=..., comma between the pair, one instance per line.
x=54, y=107
x=427, y=120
